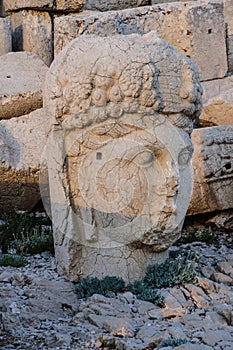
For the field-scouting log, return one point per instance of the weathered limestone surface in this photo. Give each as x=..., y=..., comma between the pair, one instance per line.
x=154, y=2
x=228, y=13
x=217, y=102
x=70, y=5
x=32, y=31
x=119, y=162
x=12, y=5
x=73, y=5
x=5, y=36
x=98, y=5
x=22, y=75
x=104, y=5
x=21, y=144
x=212, y=164
x=223, y=220
x=195, y=29
x=216, y=87
x=64, y=5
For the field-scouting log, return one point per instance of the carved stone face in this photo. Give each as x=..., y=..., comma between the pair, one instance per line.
x=121, y=179
x=212, y=169
x=120, y=165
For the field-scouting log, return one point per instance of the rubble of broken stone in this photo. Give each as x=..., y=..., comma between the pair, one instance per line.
x=40, y=310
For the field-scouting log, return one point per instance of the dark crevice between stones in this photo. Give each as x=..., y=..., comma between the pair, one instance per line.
x=51, y=15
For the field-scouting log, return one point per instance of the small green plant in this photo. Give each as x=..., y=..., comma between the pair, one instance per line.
x=143, y=292
x=92, y=285
x=35, y=244
x=107, y=343
x=172, y=342
x=204, y=235
x=178, y=269
x=12, y=260
x=25, y=233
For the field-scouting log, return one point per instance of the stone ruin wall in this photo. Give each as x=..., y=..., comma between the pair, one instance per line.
x=201, y=30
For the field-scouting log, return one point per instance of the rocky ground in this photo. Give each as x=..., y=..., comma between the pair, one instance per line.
x=40, y=310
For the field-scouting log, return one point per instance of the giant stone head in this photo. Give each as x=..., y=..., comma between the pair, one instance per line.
x=119, y=153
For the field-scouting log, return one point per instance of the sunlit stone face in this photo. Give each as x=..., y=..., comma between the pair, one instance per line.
x=119, y=176
x=119, y=153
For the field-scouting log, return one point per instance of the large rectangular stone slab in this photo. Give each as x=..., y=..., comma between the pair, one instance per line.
x=5, y=36
x=69, y=5
x=216, y=87
x=154, y=2
x=212, y=165
x=21, y=145
x=228, y=14
x=73, y=5
x=22, y=75
x=109, y=5
x=217, y=102
x=195, y=29
x=12, y=5
x=32, y=31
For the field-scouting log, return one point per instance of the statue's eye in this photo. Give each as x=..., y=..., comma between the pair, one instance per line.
x=144, y=158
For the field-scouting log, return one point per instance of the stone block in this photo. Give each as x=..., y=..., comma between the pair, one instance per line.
x=32, y=31
x=22, y=75
x=228, y=15
x=195, y=29
x=5, y=36
x=21, y=144
x=72, y=5
x=223, y=220
x=105, y=5
x=217, y=102
x=97, y=5
x=14, y=5
x=212, y=165
x=69, y=5
x=155, y=2
x=119, y=162
x=216, y=87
